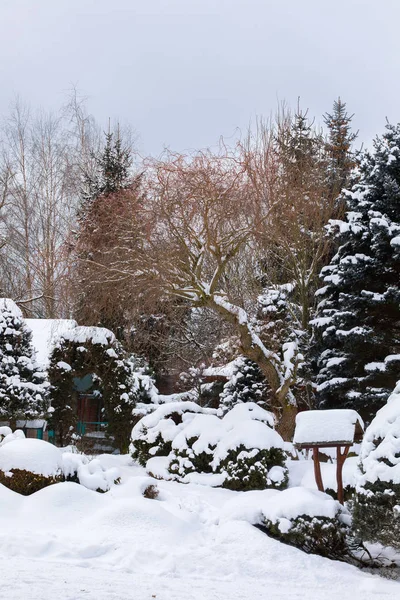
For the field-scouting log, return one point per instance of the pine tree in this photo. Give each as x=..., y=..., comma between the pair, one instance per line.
x=300, y=149
x=23, y=389
x=339, y=147
x=100, y=198
x=111, y=173
x=357, y=329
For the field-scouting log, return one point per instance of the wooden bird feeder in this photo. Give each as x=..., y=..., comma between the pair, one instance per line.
x=337, y=428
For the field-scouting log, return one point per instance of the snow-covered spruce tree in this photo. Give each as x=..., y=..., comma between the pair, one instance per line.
x=23, y=387
x=111, y=173
x=376, y=510
x=246, y=384
x=357, y=326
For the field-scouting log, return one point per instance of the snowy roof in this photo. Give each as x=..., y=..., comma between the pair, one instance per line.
x=320, y=427
x=45, y=333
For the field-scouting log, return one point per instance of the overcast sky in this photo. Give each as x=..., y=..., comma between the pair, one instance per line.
x=184, y=72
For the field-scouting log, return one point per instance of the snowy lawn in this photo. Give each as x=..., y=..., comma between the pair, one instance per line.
x=70, y=543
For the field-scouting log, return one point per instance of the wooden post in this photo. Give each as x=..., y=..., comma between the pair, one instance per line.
x=317, y=469
x=340, y=458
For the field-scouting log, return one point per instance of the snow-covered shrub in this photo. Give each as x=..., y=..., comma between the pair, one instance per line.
x=242, y=447
x=151, y=492
x=89, y=473
x=252, y=456
x=23, y=386
x=309, y=520
x=193, y=448
x=376, y=510
x=246, y=384
x=154, y=433
x=4, y=432
x=28, y=465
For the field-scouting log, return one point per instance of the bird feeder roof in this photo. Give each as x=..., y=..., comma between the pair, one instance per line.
x=324, y=428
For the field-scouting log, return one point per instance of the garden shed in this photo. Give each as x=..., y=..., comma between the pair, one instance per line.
x=336, y=428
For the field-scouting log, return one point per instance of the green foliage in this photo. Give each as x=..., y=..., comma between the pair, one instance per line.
x=314, y=535
x=27, y=483
x=112, y=167
x=250, y=469
x=23, y=387
x=339, y=146
x=247, y=384
x=114, y=383
x=188, y=461
x=357, y=329
x=143, y=450
x=376, y=513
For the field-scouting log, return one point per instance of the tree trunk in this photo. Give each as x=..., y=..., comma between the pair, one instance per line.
x=287, y=422
x=265, y=360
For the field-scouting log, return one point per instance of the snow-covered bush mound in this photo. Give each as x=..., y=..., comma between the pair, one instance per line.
x=193, y=448
x=4, y=432
x=154, y=433
x=28, y=465
x=377, y=503
x=89, y=473
x=242, y=449
x=307, y=519
x=252, y=456
x=248, y=412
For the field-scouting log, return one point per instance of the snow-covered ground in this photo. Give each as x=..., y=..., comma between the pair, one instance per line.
x=70, y=543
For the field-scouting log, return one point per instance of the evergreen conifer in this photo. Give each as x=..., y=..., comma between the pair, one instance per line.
x=23, y=389
x=357, y=326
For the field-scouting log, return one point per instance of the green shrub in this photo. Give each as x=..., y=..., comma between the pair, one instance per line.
x=143, y=449
x=252, y=469
x=314, y=535
x=27, y=483
x=376, y=506
x=376, y=513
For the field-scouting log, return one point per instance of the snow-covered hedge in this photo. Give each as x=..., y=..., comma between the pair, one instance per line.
x=28, y=465
x=242, y=450
x=94, y=350
x=376, y=513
